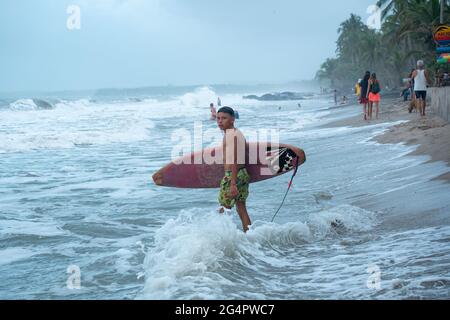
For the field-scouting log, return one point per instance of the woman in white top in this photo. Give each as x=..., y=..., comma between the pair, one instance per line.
x=421, y=80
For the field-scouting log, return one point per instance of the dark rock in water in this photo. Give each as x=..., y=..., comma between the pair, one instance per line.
x=251, y=97
x=42, y=104
x=323, y=196
x=283, y=96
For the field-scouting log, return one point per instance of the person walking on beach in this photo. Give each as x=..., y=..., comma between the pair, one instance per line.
x=412, y=105
x=421, y=80
x=363, y=98
x=374, y=95
x=234, y=187
x=358, y=88
x=335, y=97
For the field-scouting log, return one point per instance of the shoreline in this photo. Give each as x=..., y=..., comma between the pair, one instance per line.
x=431, y=134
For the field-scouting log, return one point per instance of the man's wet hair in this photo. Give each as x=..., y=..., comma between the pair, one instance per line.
x=227, y=110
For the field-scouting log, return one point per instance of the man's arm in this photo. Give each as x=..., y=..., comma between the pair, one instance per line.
x=234, y=168
x=230, y=157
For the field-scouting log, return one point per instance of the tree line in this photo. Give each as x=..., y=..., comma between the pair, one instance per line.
x=406, y=35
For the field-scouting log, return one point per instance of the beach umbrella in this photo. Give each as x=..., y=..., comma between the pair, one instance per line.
x=443, y=61
x=443, y=58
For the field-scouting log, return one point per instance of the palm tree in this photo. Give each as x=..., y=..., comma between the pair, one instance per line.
x=350, y=31
x=370, y=47
x=327, y=71
x=387, y=6
x=405, y=36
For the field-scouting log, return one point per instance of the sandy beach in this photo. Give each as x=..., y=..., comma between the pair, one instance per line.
x=431, y=134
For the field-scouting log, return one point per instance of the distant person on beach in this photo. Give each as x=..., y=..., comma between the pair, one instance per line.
x=445, y=79
x=213, y=111
x=219, y=102
x=438, y=78
x=412, y=105
x=442, y=79
x=234, y=187
x=421, y=80
x=374, y=95
x=363, y=98
x=358, y=88
x=406, y=92
x=335, y=97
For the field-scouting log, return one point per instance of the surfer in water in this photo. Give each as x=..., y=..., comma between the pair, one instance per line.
x=234, y=187
x=213, y=111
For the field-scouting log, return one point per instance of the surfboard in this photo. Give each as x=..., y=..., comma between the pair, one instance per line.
x=263, y=161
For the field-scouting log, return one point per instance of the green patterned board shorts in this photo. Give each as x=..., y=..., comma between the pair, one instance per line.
x=243, y=181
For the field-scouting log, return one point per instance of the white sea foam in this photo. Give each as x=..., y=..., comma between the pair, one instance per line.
x=23, y=105
x=198, y=250
x=200, y=98
x=71, y=125
x=27, y=227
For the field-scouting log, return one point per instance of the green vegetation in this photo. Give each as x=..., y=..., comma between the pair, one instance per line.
x=406, y=35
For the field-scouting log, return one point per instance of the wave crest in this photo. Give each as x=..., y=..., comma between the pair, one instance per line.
x=198, y=250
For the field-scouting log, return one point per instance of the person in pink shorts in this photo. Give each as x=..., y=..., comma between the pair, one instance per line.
x=374, y=95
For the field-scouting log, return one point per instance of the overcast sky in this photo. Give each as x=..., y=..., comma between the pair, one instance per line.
x=134, y=43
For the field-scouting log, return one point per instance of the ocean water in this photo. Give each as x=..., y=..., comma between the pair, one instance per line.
x=362, y=221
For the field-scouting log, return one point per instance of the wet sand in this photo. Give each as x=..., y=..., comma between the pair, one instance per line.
x=430, y=133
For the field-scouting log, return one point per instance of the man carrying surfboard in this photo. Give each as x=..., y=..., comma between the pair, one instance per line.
x=234, y=187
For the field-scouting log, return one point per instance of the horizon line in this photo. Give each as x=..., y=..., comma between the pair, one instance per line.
x=243, y=83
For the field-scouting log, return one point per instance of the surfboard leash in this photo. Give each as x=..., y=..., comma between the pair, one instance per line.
x=289, y=188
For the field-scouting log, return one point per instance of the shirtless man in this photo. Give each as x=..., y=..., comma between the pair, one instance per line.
x=234, y=187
